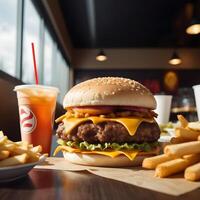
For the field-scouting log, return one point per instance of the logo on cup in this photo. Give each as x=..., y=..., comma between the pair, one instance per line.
x=28, y=120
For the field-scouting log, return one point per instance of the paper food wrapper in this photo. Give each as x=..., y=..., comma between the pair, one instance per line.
x=175, y=185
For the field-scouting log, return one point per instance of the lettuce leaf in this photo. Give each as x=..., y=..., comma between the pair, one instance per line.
x=109, y=146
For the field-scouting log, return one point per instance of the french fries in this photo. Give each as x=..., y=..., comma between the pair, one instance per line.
x=177, y=140
x=187, y=134
x=15, y=160
x=16, y=153
x=192, y=173
x=194, y=126
x=183, y=154
x=182, y=149
x=189, y=131
x=8, y=147
x=32, y=157
x=36, y=149
x=4, y=154
x=175, y=166
x=183, y=121
x=152, y=162
x=3, y=139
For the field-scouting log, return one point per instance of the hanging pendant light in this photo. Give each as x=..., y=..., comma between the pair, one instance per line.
x=175, y=59
x=193, y=28
x=101, y=56
x=194, y=24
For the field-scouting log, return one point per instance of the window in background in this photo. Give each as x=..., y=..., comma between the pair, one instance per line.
x=52, y=67
x=64, y=78
x=31, y=34
x=56, y=70
x=8, y=30
x=48, y=58
x=60, y=74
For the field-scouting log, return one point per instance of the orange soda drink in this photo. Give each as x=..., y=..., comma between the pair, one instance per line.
x=36, y=111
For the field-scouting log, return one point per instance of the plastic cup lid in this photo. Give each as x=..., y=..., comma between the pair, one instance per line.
x=21, y=87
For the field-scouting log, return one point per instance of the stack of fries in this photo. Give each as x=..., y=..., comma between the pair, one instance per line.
x=187, y=132
x=16, y=153
x=182, y=155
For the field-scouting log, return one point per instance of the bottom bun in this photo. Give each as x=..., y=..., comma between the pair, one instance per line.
x=105, y=161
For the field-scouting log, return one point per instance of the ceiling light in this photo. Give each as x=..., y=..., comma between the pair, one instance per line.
x=193, y=28
x=193, y=16
x=101, y=56
x=175, y=59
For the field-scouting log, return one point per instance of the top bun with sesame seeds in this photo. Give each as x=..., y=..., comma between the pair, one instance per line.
x=109, y=91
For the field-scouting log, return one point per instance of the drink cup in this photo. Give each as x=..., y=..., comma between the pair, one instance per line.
x=163, y=108
x=36, y=110
x=196, y=89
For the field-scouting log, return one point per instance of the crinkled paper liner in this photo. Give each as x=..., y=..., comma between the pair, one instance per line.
x=175, y=185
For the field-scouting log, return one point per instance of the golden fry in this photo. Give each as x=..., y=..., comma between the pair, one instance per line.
x=192, y=173
x=151, y=163
x=182, y=149
x=33, y=157
x=14, y=153
x=23, y=144
x=4, y=154
x=178, y=140
x=36, y=149
x=15, y=160
x=1, y=134
x=3, y=140
x=183, y=121
x=8, y=147
x=194, y=126
x=30, y=146
x=175, y=166
x=188, y=134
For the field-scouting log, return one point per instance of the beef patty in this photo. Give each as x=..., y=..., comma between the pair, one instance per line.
x=110, y=132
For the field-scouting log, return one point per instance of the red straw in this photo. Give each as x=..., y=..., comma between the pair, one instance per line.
x=35, y=65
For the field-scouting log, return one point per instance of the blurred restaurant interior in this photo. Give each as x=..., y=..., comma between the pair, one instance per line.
x=154, y=42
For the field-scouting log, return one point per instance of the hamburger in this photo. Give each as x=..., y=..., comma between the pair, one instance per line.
x=109, y=122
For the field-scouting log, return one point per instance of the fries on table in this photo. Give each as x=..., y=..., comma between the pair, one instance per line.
x=175, y=166
x=194, y=126
x=15, y=160
x=152, y=162
x=182, y=149
x=192, y=173
x=4, y=154
x=178, y=140
x=183, y=121
x=183, y=154
x=16, y=153
x=187, y=134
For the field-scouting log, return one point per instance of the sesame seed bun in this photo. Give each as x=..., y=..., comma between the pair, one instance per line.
x=109, y=91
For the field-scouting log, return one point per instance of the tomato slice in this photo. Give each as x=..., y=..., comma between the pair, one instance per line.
x=93, y=110
x=106, y=109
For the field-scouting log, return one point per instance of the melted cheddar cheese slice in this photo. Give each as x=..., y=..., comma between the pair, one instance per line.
x=129, y=154
x=130, y=123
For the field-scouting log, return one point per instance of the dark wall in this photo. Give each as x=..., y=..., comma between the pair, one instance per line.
x=186, y=78
x=9, y=118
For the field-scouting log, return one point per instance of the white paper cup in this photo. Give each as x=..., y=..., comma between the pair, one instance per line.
x=163, y=108
x=196, y=89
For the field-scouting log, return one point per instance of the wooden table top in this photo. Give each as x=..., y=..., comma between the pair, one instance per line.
x=52, y=184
